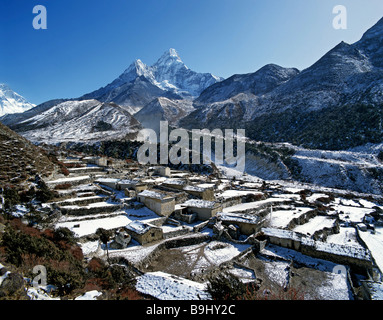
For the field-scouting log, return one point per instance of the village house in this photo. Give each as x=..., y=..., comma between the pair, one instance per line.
x=248, y=224
x=131, y=184
x=201, y=193
x=177, y=184
x=144, y=232
x=203, y=208
x=181, y=213
x=358, y=258
x=109, y=182
x=121, y=240
x=99, y=161
x=234, y=197
x=160, y=203
x=162, y=171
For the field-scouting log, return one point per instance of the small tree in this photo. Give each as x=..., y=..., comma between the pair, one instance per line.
x=105, y=236
x=43, y=194
x=11, y=197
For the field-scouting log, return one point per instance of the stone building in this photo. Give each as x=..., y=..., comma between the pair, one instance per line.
x=160, y=203
x=178, y=184
x=144, y=232
x=99, y=161
x=135, y=185
x=121, y=240
x=358, y=258
x=248, y=224
x=162, y=171
x=203, y=208
x=109, y=182
x=201, y=193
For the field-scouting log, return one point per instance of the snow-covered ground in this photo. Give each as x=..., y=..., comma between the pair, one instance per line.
x=346, y=236
x=164, y=286
x=374, y=243
x=334, y=287
x=315, y=224
x=86, y=225
x=281, y=218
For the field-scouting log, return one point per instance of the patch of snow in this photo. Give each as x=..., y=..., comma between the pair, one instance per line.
x=374, y=243
x=315, y=224
x=164, y=286
x=90, y=295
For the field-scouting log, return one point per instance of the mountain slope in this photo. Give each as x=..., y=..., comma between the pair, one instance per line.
x=258, y=83
x=12, y=119
x=11, y=102
x=87, y=120
x=163, y=109
x=138, y=85
x=312, y=107
x=20, y=160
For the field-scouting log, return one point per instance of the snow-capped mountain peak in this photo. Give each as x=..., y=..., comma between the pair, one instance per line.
x=12, y=102
x=168, y=77
x=136, y=69
x=170, y=57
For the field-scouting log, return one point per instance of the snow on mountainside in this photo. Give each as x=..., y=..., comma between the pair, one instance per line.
x=86, y=121
x=163, y=109
x=335, y=103
x=138, y=85
x=11, y=102
x=11, y=120
x=258, y=83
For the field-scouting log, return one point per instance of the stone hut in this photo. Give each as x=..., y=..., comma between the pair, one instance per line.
x=248, y=224
x=358, y=258
x=121, y=240
x=201, y=193
x=160, y=203
x=144, y=232
x=178, y=184
x=99, y=161
x=135, y=185
x=162, y=171
x=203, y=208
x=109, y=182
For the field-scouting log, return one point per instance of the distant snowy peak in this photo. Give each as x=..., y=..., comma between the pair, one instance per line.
x=173, y=75
x=11, y=102
x=168, y=58
x=139, y=84
x=136, y=69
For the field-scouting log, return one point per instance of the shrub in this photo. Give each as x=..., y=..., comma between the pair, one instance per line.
x=64, y=186
x=65, y=171
x=225, y=286
x=27, y=195
x=44, y=194
x=64, y=234
x=96, y=265
x=11, y=197
x=24, y=247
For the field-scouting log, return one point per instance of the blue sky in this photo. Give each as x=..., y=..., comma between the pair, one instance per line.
x=90, y=43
